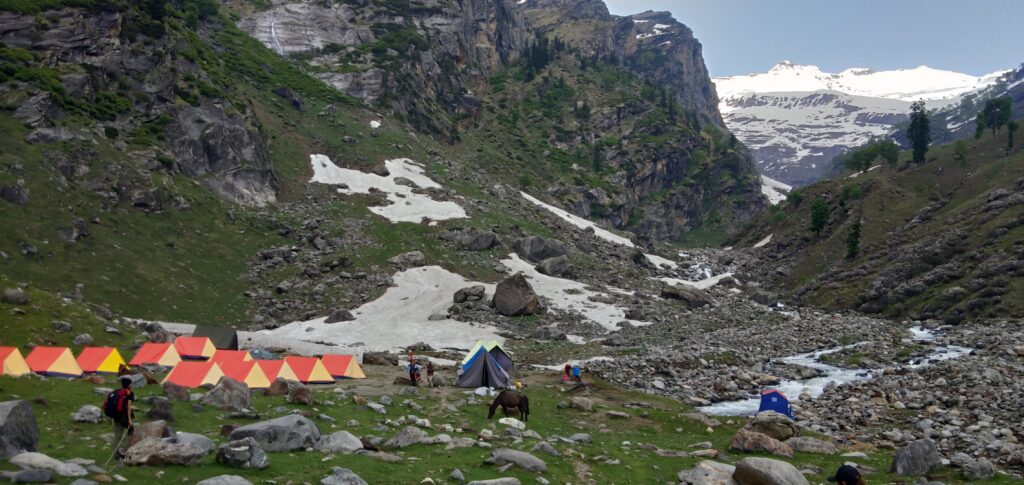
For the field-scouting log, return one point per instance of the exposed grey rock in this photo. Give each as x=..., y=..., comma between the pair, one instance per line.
x=30, y=476
x=83, y=340
x=708, y=472
x=497, y=481
x=339, y=442
x=243, y=453
x=773, y=424
x=161, y=408
x=520, y=459
x=340, y=315
x=536, y=249
x=199, y=441
x=807, y=444
x=410, y=259
x=767, y=471
x=228, y=395
x=225, y=480
x=342, y=476
x=88, y=414
x=545, y=447
x=471, y=240
x=472, y=293
x=515, y=297
x=299, y=393
x=163, y=451
x=691, y=297
x=14, y=194
x=978, y=470
x=31, y=459
x=18, y=429
x=556, y=266
x=916, y=458
x=746, y=440
x=408, y=436
x=292, y=432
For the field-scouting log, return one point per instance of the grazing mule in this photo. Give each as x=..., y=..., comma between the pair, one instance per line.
x=511, y=400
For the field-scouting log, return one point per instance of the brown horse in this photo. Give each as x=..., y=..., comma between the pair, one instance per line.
x=511, y=400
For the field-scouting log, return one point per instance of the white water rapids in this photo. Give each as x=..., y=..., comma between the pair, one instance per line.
x=829, y=375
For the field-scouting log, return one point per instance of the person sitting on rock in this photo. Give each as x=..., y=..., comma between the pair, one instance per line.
x=576, y=373
x=847, y=475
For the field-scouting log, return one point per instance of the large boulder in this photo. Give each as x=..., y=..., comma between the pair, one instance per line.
x=224, y=480
x=471, y=240
x=197, y=440
x=410, y=259
x=536, y=249
x=773, y=424
x=339, y=442
x=518, y=458
x=299, y=393
x=746, y=440
x=767, y=471
x=243, y=453
x=18, y=429
x=408, y=436
x=152, y=429
x=514, y=297
x=708, y=472
x=164, y=451
x=228, y=395
x=342, y=476
x=691, y=297
x=916, y=458
x=556, y=266
x=31, y=459
x=287, y=433
x=807, y=444
x=582, y=403
x=340, y=315
x=471, y=293
x=978, y=470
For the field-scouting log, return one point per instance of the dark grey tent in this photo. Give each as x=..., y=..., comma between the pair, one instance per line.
x=223, y=338
x=483, y=370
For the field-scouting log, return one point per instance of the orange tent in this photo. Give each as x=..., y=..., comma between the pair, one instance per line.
x=309, y=370
x=100, y=359
x=189, y=373
x=53, y=361
x=343, y=367
x=12, y=363
x=276, y=368
x=221, y=356
x=246, y=371
x=194, y=348
x=159, y=354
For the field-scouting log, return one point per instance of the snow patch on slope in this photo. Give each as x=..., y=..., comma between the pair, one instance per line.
x=400, y=317
x=773, y=189
x=700, y=285
x=571, y=296
x=406, y=205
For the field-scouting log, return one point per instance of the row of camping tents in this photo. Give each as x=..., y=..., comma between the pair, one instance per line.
x=237, y=364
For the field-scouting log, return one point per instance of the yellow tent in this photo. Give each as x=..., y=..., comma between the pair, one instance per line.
x=191, y=373
x=246, y=371
x=53, y=361
x=13, y=364
x=309, y=370
x=100, y=359
x=343, y=366
x=158, y=354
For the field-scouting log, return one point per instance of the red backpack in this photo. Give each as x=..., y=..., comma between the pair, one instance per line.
x=116, y=405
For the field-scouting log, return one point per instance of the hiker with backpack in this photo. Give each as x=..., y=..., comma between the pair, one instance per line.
x=118, y=407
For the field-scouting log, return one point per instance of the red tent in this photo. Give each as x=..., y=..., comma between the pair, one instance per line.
x=191, y=373
x=277, y=368
x=343, y=367
x=194, y=348
x=246, y=371
x=158, y=354
x=309, y=370
x=53, y=361
x=230, y=355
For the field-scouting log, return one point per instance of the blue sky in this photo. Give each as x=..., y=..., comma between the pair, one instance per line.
x=745, y=36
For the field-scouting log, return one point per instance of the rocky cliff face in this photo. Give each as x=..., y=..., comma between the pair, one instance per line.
x=129, y=83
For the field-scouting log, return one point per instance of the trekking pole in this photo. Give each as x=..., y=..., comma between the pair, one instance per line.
x=117, y=448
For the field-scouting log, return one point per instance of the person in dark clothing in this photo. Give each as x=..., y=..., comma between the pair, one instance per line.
x=119, y=409
x=847, y=475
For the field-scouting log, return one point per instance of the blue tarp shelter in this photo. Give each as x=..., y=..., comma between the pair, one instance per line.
x=773, y=400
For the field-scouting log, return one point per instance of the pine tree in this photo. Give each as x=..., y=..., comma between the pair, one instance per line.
x=819, y=215
x=960, y=153
x=853, y=241
x=598, y=158
x=919, y=131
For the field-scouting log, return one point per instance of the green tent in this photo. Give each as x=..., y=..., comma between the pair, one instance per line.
x=223, y=338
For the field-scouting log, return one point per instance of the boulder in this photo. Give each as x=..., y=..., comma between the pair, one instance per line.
x=340, y=315
x=292, y=432
x=342, y=476
x=82, y=340
x=243, y=453
x=556, y=266
x=536, y=249
x=767, y=471
x=978, y=470
x=470, y=240
x=152, y=429
x=708, y=472
x=692, y=298
x=31, y=475
x=497, y=481
x=408, y=436
x=279, y=387
x=916, y=458
x=582, y=403
x=197, y=440
x=773, y=424
x=746, y=440
x=14, y=296
x=339, y=442
x=224, y=480
x=299, y=393
x=31, y=459
x=18, y=429
x=472, y=293
x=811, y=445
x=521, y=459
x=228, y=395
x=410, y=259
x=515, y=297
x=161, y=408
x=164, y=451
x=88, y=414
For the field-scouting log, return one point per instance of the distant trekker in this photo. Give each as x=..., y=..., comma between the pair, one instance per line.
x=430, y=373
x=568, y=372
x=576, y=373
x=847, y=475
x=118, y=407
